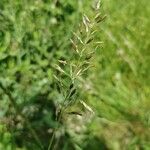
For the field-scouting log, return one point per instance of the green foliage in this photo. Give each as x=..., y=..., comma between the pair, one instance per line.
x=107, y=105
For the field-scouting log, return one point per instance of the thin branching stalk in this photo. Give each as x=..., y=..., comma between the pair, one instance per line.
x=55, y=129
x=85, y=46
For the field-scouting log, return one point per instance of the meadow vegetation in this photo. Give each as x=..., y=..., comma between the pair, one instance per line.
x=74, y=75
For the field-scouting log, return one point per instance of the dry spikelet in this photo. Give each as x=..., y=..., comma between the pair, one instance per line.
x=86, y=19
x=97, y=16
x=98, y=4
x=78, y=38
x=62, y=62
x=94, y=32
x=56, y=78
x=75, y=47
x=87, y=106
x=59, y=69
x=85, y=24
x=99, y=42
x=78, y=73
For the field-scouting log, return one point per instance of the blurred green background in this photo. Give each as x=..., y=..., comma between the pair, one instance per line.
x=35, y=34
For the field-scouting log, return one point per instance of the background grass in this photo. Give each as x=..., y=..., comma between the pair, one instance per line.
x=35, y=34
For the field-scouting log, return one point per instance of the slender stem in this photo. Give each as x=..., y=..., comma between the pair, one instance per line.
x=52, y=139
x=54, y=131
